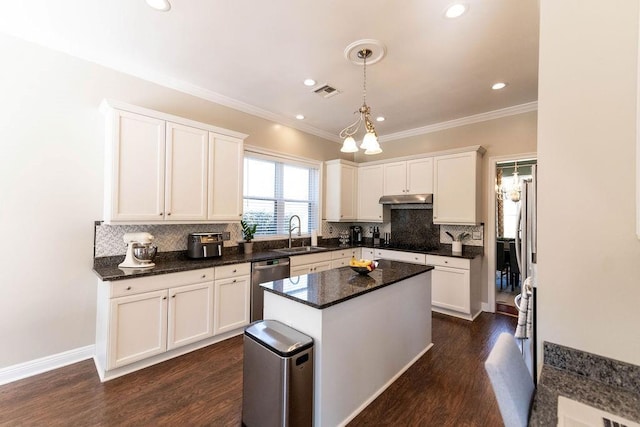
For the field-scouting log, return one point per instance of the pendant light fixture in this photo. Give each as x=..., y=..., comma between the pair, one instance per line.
x=370, y=140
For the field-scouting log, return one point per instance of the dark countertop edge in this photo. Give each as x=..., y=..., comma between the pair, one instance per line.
x=106, y=268
x=555, y=382
x=352, y=296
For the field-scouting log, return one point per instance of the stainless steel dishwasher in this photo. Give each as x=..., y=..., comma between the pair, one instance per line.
x=262, y=272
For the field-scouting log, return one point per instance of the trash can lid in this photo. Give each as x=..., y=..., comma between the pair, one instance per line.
x=278, y=337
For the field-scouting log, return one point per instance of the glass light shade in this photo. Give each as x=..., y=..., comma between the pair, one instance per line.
x=374, y=148
x=369, y=141
x=349, y=145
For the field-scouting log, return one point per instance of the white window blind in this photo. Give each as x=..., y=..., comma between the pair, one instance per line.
x=275, y=189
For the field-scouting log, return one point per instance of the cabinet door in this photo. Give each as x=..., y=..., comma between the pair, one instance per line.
x=412, y=257
x=190, y=316
x=186, y=173
x=450, y=289
x=420, y=176
x=368, y=253
x=226, y=159
x=134, y=189
x=370, y=184
x=395, y=178
x=300, y=270
x=342, y=262
x=231, y=304
x=455, y=195
x=341, y=203
x=138, y=327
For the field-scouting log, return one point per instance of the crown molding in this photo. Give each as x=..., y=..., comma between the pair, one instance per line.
x=477, y=118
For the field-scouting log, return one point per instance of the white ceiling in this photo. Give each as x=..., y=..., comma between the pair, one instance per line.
x=253, y=55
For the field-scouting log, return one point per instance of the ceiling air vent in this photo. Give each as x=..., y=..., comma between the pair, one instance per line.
x=326, y=91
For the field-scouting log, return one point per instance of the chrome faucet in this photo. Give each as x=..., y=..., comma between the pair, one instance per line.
x=293, y=228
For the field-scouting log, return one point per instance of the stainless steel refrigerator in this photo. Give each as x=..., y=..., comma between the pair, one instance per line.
x=526, y=254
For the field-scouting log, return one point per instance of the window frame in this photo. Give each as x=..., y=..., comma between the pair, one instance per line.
x=274, y=156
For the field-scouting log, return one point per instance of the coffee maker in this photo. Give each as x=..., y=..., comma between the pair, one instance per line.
x=355, y=233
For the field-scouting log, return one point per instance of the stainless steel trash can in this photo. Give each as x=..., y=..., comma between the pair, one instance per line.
x=277, y=376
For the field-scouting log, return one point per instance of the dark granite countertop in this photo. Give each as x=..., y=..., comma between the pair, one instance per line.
x=106, y=268
x=327, y=288
x=596, y=381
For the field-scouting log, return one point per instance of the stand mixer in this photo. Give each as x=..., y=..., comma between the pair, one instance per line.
x=140, y=251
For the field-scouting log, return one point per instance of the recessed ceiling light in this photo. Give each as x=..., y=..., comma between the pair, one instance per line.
x=379, y=119
x=309, y=82
x=160, y=5
x=455, y=10
x=299, y=117
x=498, y=86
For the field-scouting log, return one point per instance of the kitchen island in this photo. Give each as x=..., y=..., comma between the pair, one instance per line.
x=367, y=330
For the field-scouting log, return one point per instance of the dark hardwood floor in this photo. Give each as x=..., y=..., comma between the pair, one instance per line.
x=446, y=387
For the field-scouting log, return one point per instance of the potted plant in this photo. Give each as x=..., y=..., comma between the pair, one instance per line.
x=248, y=232
x=456, y=244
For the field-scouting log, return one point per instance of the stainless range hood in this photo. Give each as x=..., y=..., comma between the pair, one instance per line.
x=407, y=199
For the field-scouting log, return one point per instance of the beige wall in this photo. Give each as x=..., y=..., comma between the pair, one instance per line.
x=589, y=269
x=51, y=187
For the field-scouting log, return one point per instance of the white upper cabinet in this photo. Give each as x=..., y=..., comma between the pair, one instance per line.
x=457, y=191
x=134, y=181
x=163, y=168
x=186, y=173
x=370, y=183
x=408, y=177
x=226, y=157
x=341, y=201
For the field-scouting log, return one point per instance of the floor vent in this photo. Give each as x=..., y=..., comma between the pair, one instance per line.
x=576, y=414
x=326, y=91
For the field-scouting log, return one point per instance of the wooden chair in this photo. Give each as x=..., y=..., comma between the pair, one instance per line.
x=513, y=266
x=512, y=384
x=501, y=263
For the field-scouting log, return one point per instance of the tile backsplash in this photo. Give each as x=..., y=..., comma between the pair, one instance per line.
x=173, y=237
x=457, y=229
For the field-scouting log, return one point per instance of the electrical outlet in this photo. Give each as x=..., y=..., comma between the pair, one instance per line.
x=330, y=230
x=476, y=235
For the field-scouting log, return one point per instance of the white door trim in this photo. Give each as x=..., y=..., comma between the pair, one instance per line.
x=490, y=239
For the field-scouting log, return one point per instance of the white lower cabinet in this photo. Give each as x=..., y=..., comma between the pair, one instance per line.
x=232, y=297
x=312, y=263
x=138, y=328
x=190, y=314
x=147, y=320
x=455, y=286
x=342, y=257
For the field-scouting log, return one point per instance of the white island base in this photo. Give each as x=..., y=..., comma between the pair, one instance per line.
x=362, y=345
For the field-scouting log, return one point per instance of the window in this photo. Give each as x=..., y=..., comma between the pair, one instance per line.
x=275, y=189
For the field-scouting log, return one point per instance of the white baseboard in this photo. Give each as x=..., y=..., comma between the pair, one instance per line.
x=44, y=364
x=488, y=308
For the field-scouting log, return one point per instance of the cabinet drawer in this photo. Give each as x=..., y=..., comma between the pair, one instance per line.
x=310, y=259
x=411, y=257
x=444, y=261
x=161, y=281
x=344, y=253
x=233, y=270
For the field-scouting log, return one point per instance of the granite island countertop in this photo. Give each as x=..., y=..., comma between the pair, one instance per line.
x=327, y=288
x=593, y=380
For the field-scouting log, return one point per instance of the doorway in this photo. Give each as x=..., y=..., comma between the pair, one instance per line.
x=504, y=279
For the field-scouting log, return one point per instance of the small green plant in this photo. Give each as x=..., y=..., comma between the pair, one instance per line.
x=462, y=236
x=248, y=230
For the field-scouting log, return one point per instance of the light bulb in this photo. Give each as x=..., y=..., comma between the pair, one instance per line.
x=374, y=148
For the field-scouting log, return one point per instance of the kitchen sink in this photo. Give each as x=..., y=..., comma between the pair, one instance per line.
x=300, y=249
